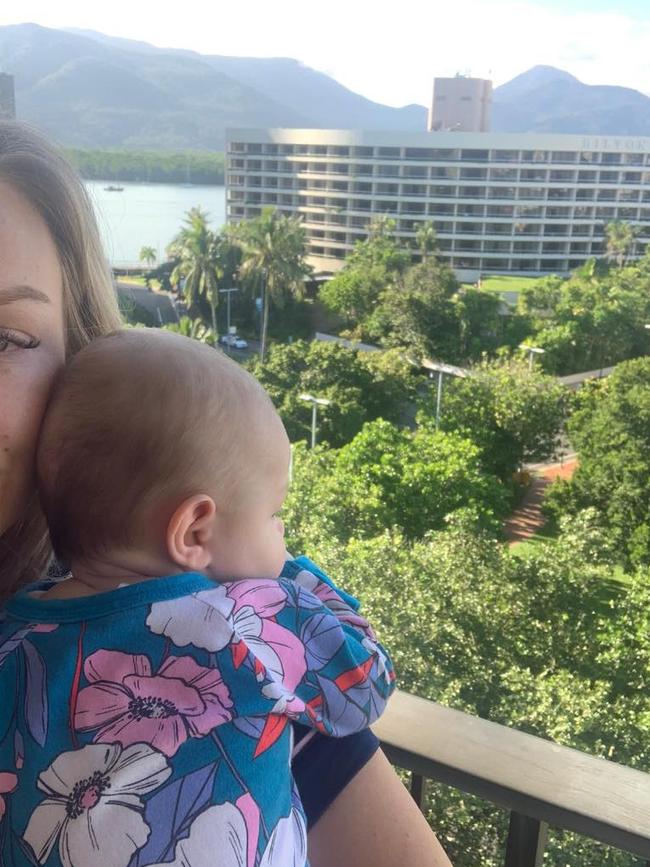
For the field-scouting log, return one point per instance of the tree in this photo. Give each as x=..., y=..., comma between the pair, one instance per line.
x=148, y=255
x=361, y=387
x=193, y=328
x=390, y=477
x=416, y=310
x=197, y=251
x=273, y=260
x=610, y=429
x=369, y=269
x=513, y=414
x=594, y=319
x=620, y=241
x=426, y=240
x=547, y=643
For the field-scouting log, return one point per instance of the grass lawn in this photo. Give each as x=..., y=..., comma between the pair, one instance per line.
x=504, y=283
x=548, y=533
x=138, y=281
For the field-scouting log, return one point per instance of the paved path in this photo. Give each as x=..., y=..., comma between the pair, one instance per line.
x=528, y=518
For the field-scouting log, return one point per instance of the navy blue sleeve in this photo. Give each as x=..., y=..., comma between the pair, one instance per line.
x=323, y=766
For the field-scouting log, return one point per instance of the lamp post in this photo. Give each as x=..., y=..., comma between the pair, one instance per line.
x=532, y=351
x=315, y=403
x=441, y=369
x=228, y=294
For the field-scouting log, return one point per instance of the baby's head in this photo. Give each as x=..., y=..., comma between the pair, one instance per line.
x=159, y=451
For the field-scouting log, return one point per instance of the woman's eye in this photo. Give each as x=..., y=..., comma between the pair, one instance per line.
x=11, y=340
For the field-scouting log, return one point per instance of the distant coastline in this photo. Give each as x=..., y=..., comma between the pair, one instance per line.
x=143, y=166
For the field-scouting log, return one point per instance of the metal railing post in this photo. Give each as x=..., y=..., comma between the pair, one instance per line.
x=526, y=841
x=418, y=783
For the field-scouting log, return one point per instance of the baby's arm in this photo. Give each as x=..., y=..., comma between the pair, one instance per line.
x=317, y=660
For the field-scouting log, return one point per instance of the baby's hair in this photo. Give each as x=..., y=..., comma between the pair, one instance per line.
x=137, y=421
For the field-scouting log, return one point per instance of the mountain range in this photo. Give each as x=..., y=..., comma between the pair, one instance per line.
x=87, y=89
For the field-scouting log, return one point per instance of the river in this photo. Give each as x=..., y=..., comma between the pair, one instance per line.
x=149, y=215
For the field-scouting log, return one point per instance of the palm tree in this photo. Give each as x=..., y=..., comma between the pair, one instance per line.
x=426, y=240
x=196, y=329
x=273, y=258
x=148, y=255
x=197, y=250
x=621, y=240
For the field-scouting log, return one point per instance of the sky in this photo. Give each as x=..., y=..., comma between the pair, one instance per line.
x=386, y=51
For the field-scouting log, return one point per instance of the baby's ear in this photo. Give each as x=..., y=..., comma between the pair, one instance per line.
x=189, y=531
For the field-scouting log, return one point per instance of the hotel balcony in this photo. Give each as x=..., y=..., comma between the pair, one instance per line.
x=540, y=783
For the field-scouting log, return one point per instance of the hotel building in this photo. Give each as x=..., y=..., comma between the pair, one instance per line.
x=517, y=203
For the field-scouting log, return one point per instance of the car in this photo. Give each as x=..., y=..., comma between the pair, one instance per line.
x=234, y=341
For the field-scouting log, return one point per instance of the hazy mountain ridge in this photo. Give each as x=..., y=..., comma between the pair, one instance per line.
x=91, y=90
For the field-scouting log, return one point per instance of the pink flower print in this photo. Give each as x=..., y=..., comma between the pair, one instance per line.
x=331, y=599
x=129, y=704
x=266, y=598
x=240, y=614
x=8, y=784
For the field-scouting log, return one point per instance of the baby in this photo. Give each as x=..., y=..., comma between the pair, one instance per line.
x=147, y=698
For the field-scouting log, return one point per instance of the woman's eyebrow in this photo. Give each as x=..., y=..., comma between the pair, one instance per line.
x=22, y=293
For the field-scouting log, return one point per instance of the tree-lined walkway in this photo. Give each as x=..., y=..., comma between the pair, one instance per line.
x=528, y=518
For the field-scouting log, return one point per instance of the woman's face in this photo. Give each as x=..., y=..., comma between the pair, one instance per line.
x=31, y=343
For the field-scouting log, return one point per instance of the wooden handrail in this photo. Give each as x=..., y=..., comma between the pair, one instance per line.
x=526, y=774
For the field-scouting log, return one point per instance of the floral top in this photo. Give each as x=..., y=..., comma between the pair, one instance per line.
x=150, y=725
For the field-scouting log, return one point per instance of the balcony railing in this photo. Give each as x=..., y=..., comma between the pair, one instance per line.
x=539, y=782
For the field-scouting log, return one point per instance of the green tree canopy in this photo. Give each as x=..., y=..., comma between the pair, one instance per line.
x=369, y=269
x=361, y=387
x=610, y=429
x=513, y=414
x=390, y=477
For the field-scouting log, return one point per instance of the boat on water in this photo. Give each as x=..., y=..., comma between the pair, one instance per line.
x=112, y=188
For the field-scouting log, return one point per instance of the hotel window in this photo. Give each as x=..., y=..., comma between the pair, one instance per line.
x=533, y=175
x=534, y=156
x=471, y=192
x=474, y=155
x=587, y=177
x=444, y=154
x=633, y=159
x=610, y=158
x=474, y=173
x=389, y=153
x=419, y=154
x=532, y=193
x=563, y=157
x=444, y=172
x=502, y=192
x=505, y=156
x=503, y=174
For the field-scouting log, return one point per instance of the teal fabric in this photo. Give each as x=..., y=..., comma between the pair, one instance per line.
x=150, y=724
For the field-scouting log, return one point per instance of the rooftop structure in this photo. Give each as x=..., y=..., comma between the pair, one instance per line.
x=517, y=203
x=460, y=104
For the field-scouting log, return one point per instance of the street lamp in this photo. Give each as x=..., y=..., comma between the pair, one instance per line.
x=531, y=350
x=315, y=403
x=440, y=368
x=228, y=294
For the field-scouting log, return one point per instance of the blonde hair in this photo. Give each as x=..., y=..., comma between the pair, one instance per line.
x=38, y=171
x=138, y=421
